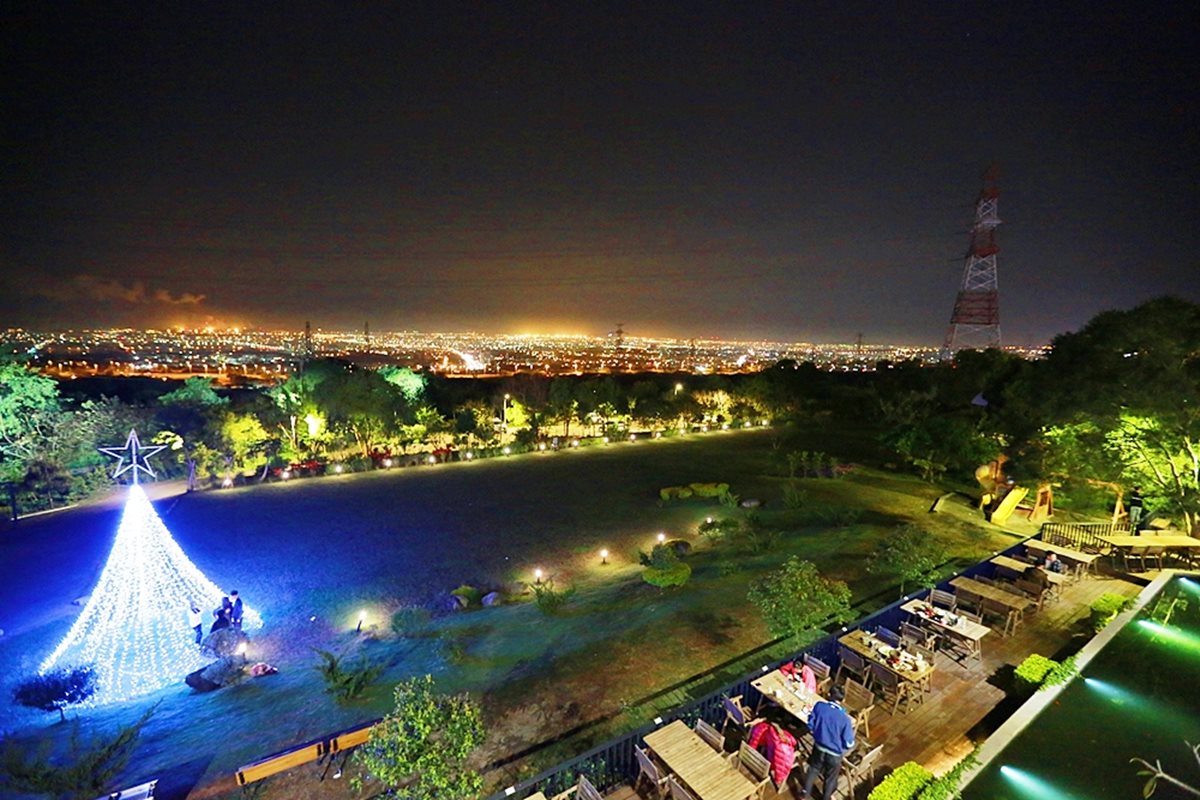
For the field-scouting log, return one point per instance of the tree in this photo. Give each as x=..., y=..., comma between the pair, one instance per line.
x=87, y=772
x=419, y=751
x=56, y=690
x=196, y=392
x=909, y=553
x=795, y=599
x=1129, y=382
x=562, y=404
x=29, y=412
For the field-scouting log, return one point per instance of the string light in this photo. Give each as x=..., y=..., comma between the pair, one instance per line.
x=133, y=629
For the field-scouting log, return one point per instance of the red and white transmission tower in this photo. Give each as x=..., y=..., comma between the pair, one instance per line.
x=975, y=323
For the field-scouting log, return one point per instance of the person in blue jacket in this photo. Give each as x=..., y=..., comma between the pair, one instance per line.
x=833, y=737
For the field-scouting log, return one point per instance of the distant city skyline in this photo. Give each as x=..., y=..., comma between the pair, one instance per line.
x=792, y=173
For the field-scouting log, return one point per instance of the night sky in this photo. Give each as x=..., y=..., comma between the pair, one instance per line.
x=797, y=171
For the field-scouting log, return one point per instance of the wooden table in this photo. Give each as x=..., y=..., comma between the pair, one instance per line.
x=536, y=796
x=1083, y=561
x=696, y=764
x=866, y=645
x=1015, y=603
x=964, y=630
x=792, y=696
x=1170, y=541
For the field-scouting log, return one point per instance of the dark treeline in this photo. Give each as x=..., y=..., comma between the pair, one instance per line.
x=1114, y=405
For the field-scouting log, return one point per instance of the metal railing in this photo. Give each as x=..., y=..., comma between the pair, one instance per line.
x=1081, y=535
x=612, y=763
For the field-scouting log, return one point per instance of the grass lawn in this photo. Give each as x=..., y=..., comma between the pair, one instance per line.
x=310, y=554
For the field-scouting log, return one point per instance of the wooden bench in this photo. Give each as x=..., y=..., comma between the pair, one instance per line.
x=315, y=750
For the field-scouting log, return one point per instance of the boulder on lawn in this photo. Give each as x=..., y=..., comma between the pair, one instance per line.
x=223, y=643
x=491, y=599
x=198, y=682
x=751, y=502
x=225, y=671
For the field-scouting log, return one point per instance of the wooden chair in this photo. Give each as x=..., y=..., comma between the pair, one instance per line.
x=942, y=599
x=753, y=765
x=887, y=636
x=891, y=688
x=861, y=771
x=994, y=614
x=737, y=713
x=649, y=772
x=583, y=790
x=710, y=735
x=678, y=792
x=821, y=671
x=929, y=655
x=1153, y=553
x=1034, y=592
x=967, y=615
x=915, y=634
x=859, y=703
x=967, y=600
x=853, y=664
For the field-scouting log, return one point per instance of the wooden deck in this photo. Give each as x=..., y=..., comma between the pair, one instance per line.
x=944, y=728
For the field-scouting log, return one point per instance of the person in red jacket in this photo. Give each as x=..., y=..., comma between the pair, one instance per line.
x=778, y=745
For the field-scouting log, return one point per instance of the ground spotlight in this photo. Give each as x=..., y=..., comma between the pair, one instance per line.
x=662, y=537
x=604, y=555
x=537, y=575
x=338, y=468
x=387, y=462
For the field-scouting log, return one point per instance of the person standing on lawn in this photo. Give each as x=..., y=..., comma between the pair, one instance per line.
x=833, y=737
x=1137, y=507
x=235, y=613
x=196, y=620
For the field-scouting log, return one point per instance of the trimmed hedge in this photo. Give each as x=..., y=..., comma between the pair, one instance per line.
x=904, y=783
x=1033, y=671
x=1106, y=607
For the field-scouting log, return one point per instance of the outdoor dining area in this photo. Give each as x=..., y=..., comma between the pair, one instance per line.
x=912, y=679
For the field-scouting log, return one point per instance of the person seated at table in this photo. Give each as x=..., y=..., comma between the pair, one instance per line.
x=1037, y=575
x=778, y=746
x=1052, y=564
x=833, y=737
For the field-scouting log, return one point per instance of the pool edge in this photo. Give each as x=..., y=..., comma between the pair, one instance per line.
x=1031, y=708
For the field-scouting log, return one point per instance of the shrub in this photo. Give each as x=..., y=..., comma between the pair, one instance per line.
x=56, y=690
x=904, y=782
x=729, y=499
x=709, y=489
x=87, y=771
x=1061, y=673
x=424, y=744
x=469, y=594
x=1033, y=671
x=669, y=493
x=911, y=554
x=1106, y=607
x=407, y=620
x=793, y=496
x=664, y=569
x=550, y=600
x=718, y=530
x=946, y=787
x=796, y=599
x=346, y=681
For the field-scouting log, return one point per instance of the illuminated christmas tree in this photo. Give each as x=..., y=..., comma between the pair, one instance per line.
x=134, y=628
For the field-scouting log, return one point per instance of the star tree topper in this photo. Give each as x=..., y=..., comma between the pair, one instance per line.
x=132, y=456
